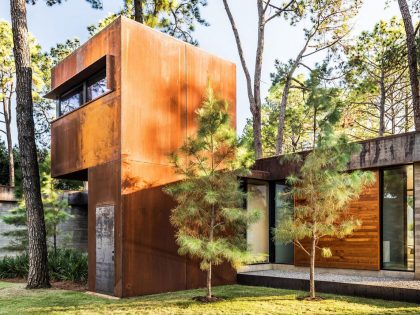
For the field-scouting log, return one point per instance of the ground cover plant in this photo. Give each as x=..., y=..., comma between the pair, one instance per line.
x=14, y=299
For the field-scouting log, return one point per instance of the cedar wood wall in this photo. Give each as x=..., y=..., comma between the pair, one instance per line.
x=361, y=250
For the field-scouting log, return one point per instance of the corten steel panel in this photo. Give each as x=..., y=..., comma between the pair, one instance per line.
x=153, y=118
x=151, y=261
x=105, y=189
x=86, y=137
x=221, y=275
x=123, y=139
x=160, y=93
x=89, y=135
x=203, y=69
x=106, y=42
x=361, y=250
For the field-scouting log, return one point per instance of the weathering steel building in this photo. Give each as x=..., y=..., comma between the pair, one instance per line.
x=125, y=99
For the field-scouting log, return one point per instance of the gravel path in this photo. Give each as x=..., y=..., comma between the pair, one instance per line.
x=367, y=280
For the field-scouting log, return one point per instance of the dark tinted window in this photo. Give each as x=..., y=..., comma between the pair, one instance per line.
x=71, y=100
x=96, y=86
x=398, y=218
x=88, y=90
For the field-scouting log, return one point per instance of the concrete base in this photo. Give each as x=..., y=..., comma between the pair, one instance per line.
x=387, y=285
x=348, y=272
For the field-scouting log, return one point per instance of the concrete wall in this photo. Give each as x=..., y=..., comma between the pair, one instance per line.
x=7, y=202
x=72, y=233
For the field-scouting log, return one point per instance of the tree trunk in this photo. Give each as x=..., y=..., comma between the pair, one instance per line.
x=284, y=99
x=10, y=156
x=412, y=60
x=254, y=100
x=138, y=11
x=55, y=238
x=209, y=293
x=314, y=127
x=406, y=118
x=38, y=262
x=312, y=271
x=382, y=106
x=7, y=109
x=282, y=116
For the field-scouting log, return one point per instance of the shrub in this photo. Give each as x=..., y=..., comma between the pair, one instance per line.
x=63, y=265
x=14, y=267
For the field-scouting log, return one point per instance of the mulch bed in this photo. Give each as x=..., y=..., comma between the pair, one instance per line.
x=308, y=298
x=205, y=299
x=58, y=285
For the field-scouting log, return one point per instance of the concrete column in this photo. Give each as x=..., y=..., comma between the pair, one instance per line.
x=417, y=220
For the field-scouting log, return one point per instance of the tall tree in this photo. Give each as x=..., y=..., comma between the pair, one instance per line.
x=377, y=79
x=328, y=25
x=7, y=90
x=412, y=57
x=209, y=219
x=267, y=11
x=174, y=17
x=322, y=191
x=38, y=276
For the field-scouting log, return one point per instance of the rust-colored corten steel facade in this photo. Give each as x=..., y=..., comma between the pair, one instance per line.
x=119, y=143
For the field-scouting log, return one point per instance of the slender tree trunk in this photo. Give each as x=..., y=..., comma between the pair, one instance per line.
x=254, y=96
x=55, y=239
x=211, y=237
x=138, y=11
x=209, y=275
x=284, y=99
x=314, y=127
x=406, y=118
x=412, y=60
x=38, y=264
x=312, y=270
x=382, y=106
x=7, y=101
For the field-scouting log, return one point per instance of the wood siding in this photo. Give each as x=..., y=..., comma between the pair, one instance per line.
x=361, y=250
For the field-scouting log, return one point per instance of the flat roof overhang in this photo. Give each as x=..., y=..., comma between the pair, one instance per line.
x=379, y=152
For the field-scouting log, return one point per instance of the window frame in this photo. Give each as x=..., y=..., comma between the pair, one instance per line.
x=84, y=85
x=381, y=212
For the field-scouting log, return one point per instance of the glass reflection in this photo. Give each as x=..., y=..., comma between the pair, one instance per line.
x=258, y=233
x=284, y=253
x=398, y=219
x=71, y=100
x=96, y=86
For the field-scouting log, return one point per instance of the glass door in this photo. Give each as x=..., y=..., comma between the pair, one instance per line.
x=398, y=218
x=284, y=253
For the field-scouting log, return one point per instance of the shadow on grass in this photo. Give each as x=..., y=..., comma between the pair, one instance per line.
x=236, y=297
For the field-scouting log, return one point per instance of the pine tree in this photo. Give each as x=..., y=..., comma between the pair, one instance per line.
x=322, y=191
x=54, y=211
x=210, y=220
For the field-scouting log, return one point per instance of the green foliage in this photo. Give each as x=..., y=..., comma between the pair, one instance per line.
x=63, y=265
x=313, y=108
x=4, y=165
x=323, y=190
x=209, y=219
x=55, y=206
x=176, y=18
x=377, y=79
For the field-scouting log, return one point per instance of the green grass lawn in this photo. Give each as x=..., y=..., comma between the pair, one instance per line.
x=14, y=299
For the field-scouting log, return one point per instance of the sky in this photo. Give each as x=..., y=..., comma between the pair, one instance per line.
x=51, y=25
